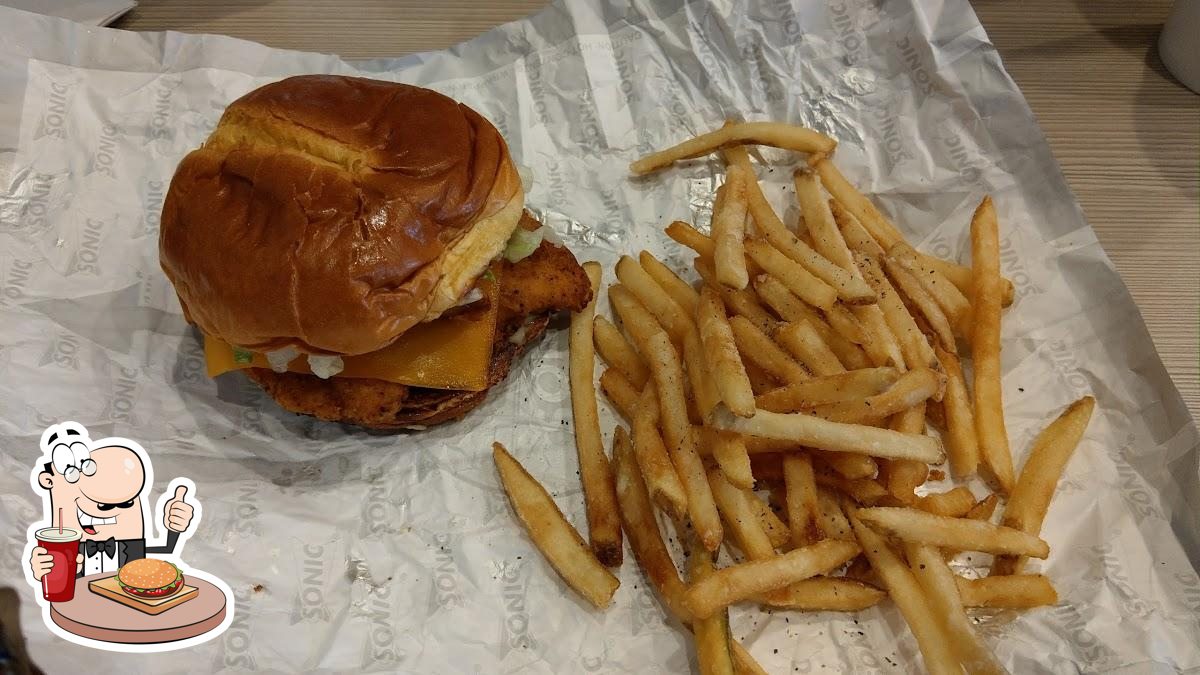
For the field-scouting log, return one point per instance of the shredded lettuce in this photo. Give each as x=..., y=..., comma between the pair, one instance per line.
x=522, y=244
x=242, y=355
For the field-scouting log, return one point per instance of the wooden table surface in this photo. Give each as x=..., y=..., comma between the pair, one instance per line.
x=1126, y=134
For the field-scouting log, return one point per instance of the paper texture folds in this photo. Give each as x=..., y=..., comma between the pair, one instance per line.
x=350, y=551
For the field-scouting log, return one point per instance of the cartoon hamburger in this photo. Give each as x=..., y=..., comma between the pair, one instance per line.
x=149, y=578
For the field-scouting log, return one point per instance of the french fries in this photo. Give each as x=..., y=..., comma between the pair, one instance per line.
x=681, y=439
x=961, y=443
x=758, y=133
x=848, y=386
x=739, y=301
x=740, y=519
x=604, y=527
x=620, y=392
x=803, y=341
x=692, y=238
x=712, y=634
x=554, y=537
x=1030, y=498
x=729, y=451
x=770, y=523
x=1019, y=591
x=810, y=362
x=791, y=274
x=803, y=510
x=618, y=353
x=729, y=229
x=834, y=436
x=662, y=481
x=679, y=290
x=824, y=594
x=755, y=347
x=906, y=592
x=668, y=313
x=942, y=593
x=960, y=533
x=991, y=432
x=720, y=347
x=749, y=579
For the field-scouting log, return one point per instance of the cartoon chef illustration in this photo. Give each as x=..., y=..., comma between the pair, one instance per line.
x=99, y=488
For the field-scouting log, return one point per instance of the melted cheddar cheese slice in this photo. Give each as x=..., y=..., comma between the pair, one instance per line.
x=448, y=353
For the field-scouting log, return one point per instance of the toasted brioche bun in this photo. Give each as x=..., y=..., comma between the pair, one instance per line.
x=333, y=213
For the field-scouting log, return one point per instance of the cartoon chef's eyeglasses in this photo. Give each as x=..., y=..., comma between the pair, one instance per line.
x=70, y=456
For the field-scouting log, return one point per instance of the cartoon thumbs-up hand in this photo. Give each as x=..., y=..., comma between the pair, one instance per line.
x=178, y=514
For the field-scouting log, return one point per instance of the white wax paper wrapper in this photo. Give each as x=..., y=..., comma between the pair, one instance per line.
x=93, y=12
x=351, y=551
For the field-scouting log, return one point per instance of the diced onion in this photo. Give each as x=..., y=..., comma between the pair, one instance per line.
x=280, y=358
x=473, y=295
x=325, y=367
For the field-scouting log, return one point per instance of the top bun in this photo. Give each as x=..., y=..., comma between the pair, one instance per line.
x=332, y=214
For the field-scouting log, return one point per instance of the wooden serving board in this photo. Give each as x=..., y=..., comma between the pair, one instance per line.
x=109, y=588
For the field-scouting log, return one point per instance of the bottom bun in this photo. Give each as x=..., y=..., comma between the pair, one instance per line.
x=378, y=404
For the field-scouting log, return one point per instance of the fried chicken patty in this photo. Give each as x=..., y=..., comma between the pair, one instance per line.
x=548, y=281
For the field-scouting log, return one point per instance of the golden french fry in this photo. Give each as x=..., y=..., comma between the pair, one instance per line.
x=770, y=523
x=618, y=353
x=960, y=276
x=906, y=592
x=846, y=464
x=641, y=530
x=668, y=313
x=757, y=348
x=1019, y=591
x=954, y=503
x=914, y=347
x=659, y=473
x=721, y=350
x=773, y=134
x=848, y=386
x=791, y=274
x=681, y=439
x=739, y=301
x=833, y=519
x=984, y=508
x=824, y=594
x=553, y=536
x=924, y=303
x=881, y=229
x=908, y=393
x=959, y=533
x=729, y=229
x=749, y=579
x=729, y=451
x=645, y=540
x=740, y=518
x=638, y=320
x=620, y=392
x=805, y=343
x=692, y=238
x=1030, y=498
x=819, y=221
x=599, y=491
x=792, y=309
x=865, y=491
x=833, y=436
x=845, y=323
x=961, y=443
x=704, y=389
x=941, y=592
x=990, y=430
x=803, y=511
x=949, y=298
x=680, y=291
x=848, y=287
x=712, y=634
